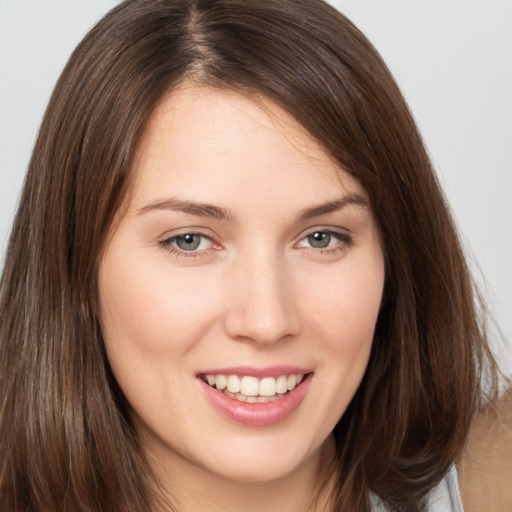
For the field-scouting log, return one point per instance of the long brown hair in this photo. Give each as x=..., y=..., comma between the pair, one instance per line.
x=66, y=442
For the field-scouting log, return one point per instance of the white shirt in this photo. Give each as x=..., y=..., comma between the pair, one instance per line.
x=445, y=497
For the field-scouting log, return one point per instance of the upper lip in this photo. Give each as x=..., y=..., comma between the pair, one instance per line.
x=252, y=371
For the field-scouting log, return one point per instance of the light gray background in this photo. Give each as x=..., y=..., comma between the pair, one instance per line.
x=453, y=60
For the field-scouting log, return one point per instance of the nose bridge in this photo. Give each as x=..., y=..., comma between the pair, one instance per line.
x=263, y=306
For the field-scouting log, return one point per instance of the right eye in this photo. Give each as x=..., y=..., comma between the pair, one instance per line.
x=184, y=243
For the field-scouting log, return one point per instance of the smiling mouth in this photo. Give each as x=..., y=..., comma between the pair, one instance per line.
x=253, y=390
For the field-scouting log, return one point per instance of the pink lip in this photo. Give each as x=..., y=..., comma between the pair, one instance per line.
x=259, y=414
x=260, y=373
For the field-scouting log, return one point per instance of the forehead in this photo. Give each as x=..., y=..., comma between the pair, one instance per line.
x=206, y=140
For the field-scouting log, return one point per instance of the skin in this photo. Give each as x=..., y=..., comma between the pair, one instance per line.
x=485, y=465
x=256, y=291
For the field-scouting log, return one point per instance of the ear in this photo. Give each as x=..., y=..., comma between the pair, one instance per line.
x=485, y=466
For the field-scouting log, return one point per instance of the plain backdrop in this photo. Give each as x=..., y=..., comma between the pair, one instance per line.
x=452, y=59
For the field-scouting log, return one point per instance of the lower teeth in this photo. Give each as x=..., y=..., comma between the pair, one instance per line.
x=252, y=399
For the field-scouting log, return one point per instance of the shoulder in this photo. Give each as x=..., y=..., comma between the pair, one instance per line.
x=485, y=466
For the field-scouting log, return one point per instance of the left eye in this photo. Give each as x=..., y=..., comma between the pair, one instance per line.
x=189, y=242
x=321, y=240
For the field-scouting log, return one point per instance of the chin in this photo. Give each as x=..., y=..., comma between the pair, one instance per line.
x=252, y=473
x=259, y=463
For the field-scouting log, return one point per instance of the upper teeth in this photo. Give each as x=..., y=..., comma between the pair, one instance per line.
x=252, y=386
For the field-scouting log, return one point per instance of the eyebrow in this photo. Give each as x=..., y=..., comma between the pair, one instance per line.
x=191, y=207
x=215, y=212
x=332, y=206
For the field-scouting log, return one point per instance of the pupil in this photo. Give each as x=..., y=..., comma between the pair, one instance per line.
x=188, y=242
x=319, y=240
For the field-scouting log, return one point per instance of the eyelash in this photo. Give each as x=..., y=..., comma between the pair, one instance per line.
x=168, y=245
x=344, y=241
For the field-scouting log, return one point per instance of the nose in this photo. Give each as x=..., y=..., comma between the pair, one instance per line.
x=262, y=307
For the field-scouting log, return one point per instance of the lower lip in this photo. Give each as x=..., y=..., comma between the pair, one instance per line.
x=259, y=414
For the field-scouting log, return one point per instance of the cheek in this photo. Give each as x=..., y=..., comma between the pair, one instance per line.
x=146, y=310
x=342, y=305
x=149, y=323
x=346, y=309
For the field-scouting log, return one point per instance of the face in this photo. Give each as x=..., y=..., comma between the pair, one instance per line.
x=240, y=288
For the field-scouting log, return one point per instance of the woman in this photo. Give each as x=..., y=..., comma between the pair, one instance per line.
x=233, y=280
